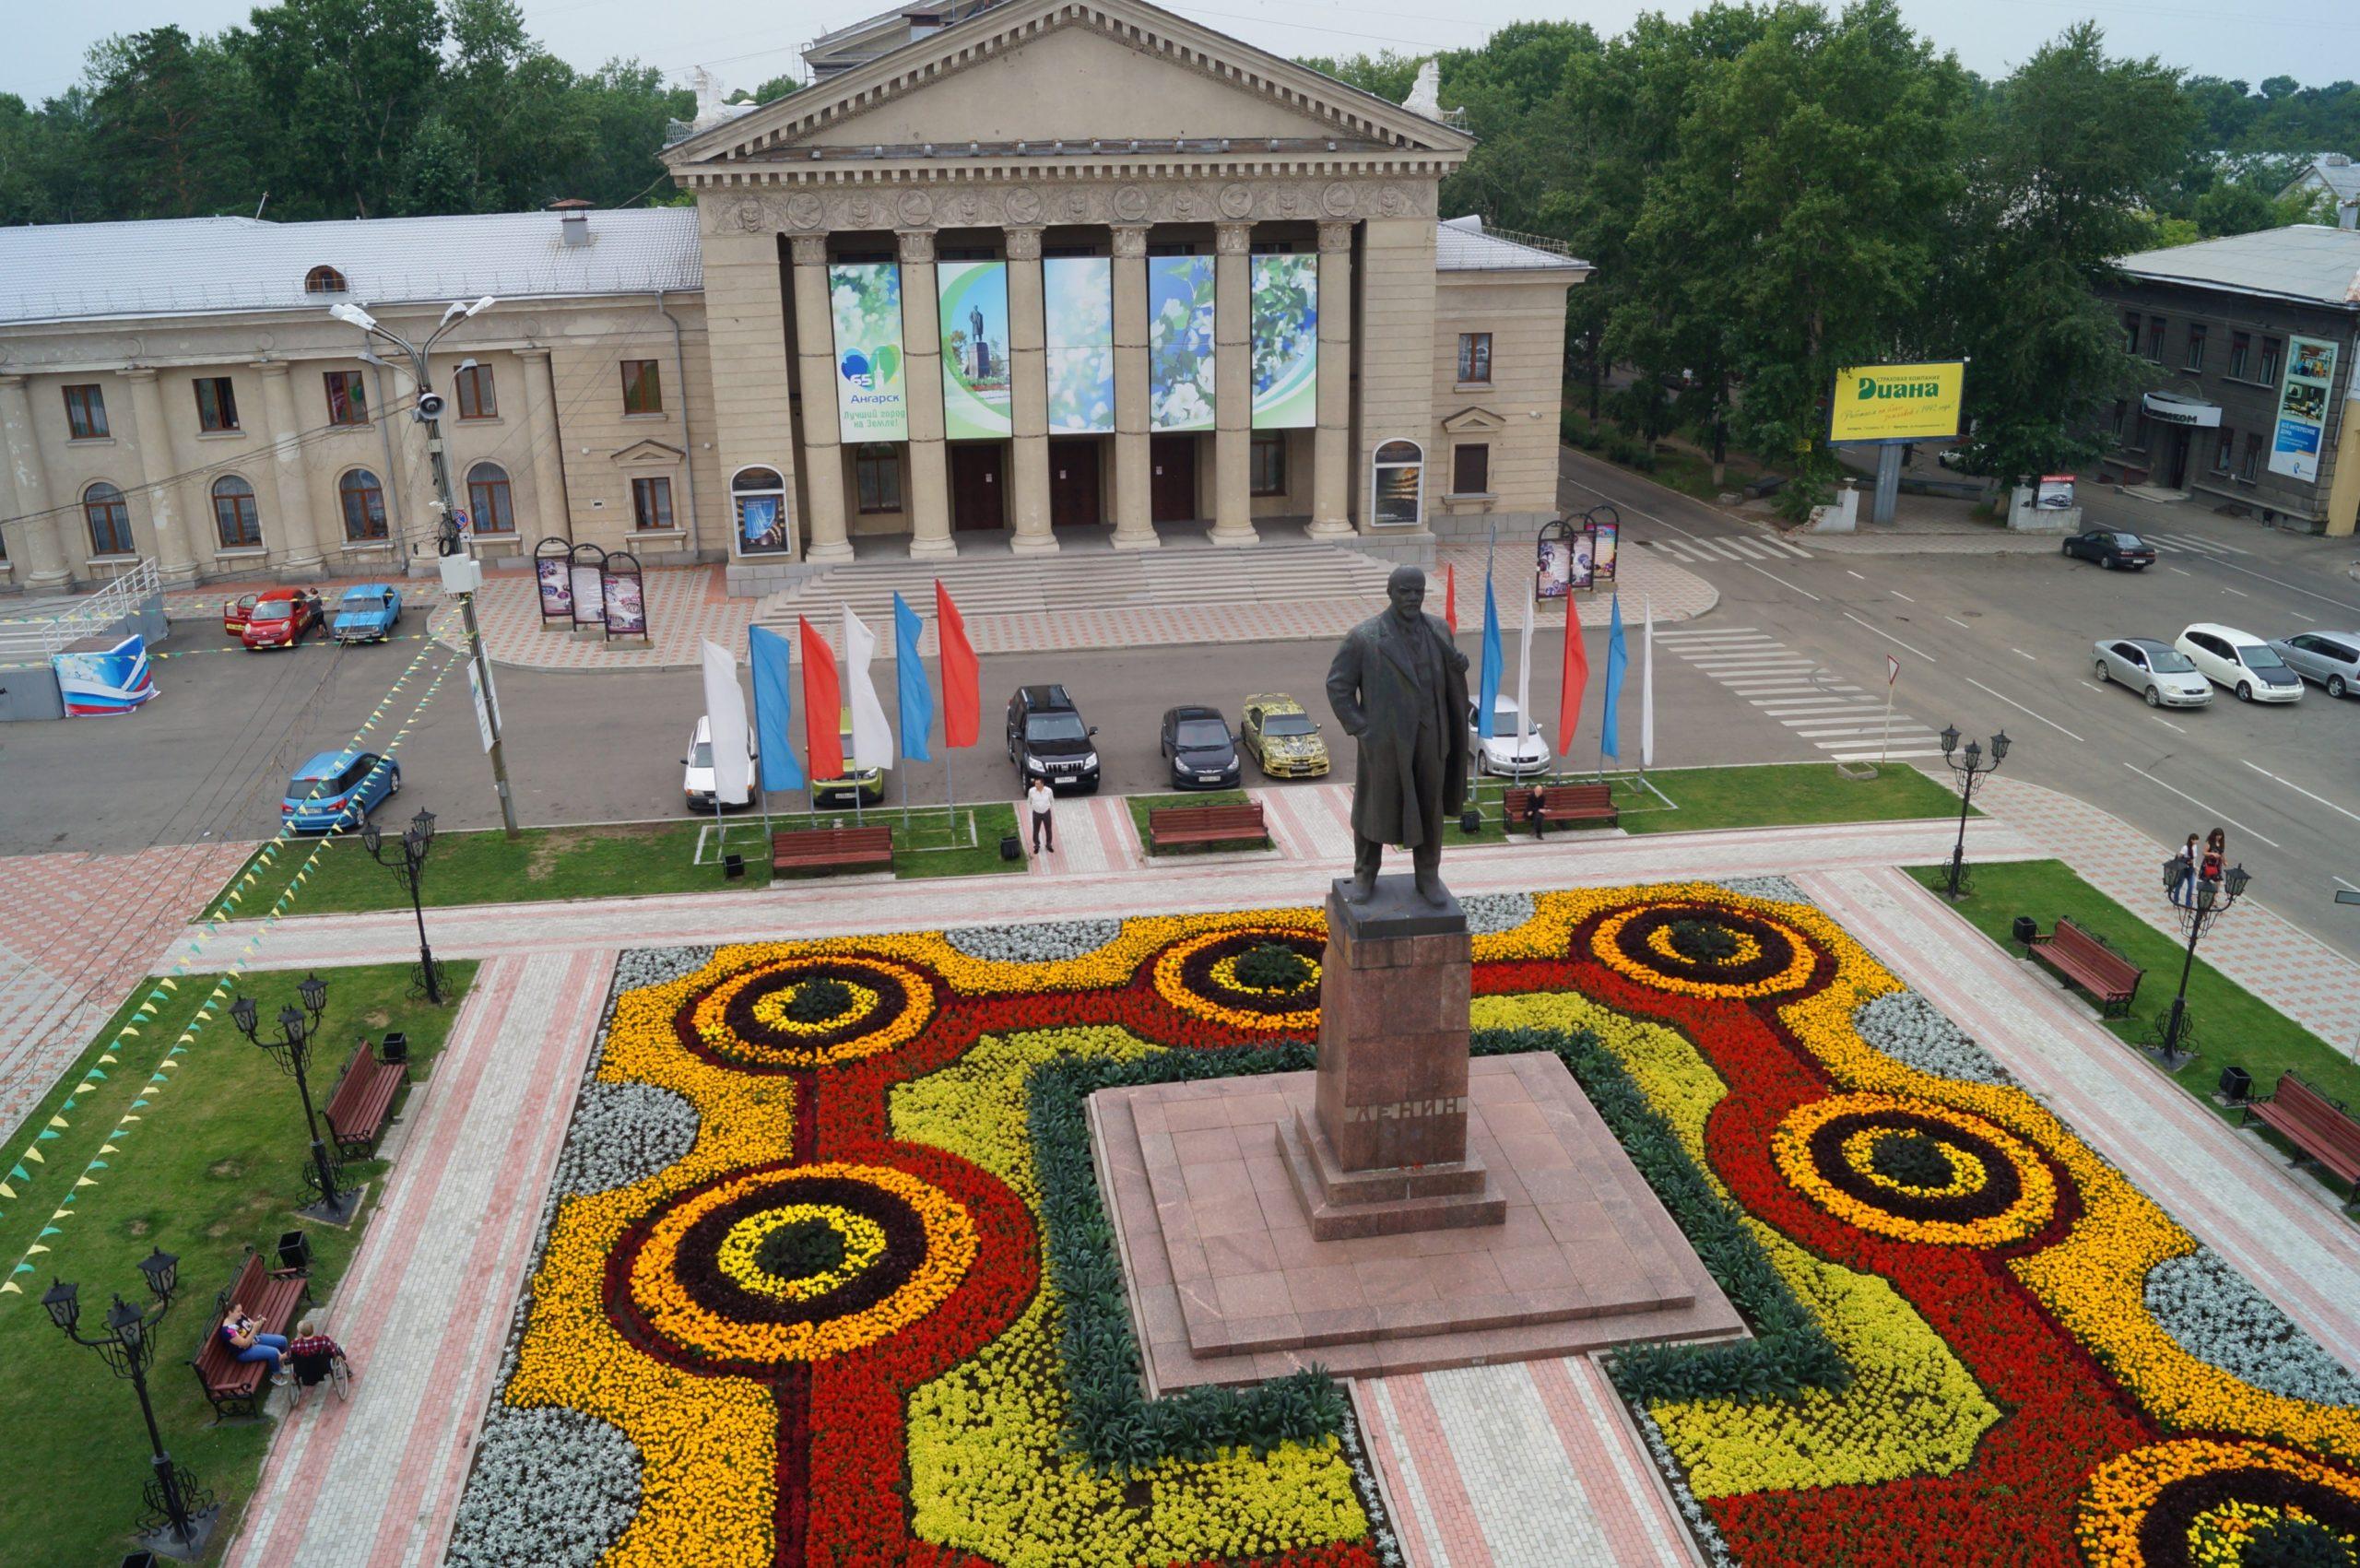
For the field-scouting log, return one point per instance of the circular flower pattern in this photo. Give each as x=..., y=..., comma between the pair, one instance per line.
x=2188, y=1503
x=764, y=1018
x=1199, y=975
x=1999, y=1191
x=1741, y=952
x=799, y=1250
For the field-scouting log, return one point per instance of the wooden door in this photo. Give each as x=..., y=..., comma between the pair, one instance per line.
x=1172, y=464
x=976, y=481
x=1073, y=483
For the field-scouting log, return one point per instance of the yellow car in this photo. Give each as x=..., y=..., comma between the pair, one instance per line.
x=1282, y=738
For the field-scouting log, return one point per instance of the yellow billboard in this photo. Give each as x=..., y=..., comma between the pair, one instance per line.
x=1897, y=402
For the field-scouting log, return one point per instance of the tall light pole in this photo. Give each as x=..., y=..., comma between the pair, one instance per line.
x=449, y=540
x=408, y=863
x=292, y=1052
x=1968, y=767
x=2208, y=900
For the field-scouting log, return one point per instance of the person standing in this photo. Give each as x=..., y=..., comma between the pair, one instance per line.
x=2183, y=871
x=2217, y=853
x=1039, y=798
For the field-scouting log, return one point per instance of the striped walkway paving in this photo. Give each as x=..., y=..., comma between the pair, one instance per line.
x=1700, y=549
x=1848, y=723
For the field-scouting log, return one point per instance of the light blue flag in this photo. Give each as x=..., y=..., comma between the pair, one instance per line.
x=773, y=707
x=1494, y=662
x=909, y=674
x=1617, y=660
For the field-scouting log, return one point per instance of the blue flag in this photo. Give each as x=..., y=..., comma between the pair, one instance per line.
x=1488, y=685
x=773, y=708
x=1617, y=660
x=909, y=674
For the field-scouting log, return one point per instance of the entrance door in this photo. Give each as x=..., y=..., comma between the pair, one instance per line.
x=1172, y=493
x=1073, y=483
x=976, y=484
x=2181, y=441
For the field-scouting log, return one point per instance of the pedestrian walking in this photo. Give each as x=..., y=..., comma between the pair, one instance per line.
x=2181, y=874
x=1039, y=797
x=2216, y=852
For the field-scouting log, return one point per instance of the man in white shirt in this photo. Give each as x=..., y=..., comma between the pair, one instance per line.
x=1039, y=797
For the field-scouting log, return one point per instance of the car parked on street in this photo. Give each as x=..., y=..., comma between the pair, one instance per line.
x=2112, y=548
x=2240, y=660
x=856, y=785
x=280, y=618
x=1282, y=738
x=2331, y=658
x=1202, y=752
x=696, y=779
x=1047, y=740
x=234, y=613
x=337, y=789
x=2156, y=670
x=1509, y=754
x=367, y=613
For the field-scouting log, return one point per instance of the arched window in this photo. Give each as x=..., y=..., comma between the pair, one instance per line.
x=488, y=503
x=1398, y=484
x=363, y=501
x=233, y=513
x=325, y=280
x=763, y=527
x=110, y=520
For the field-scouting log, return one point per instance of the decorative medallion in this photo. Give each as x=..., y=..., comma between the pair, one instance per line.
x=1916, y=1171
x=808, y=1012
x=1391, y=203
x=1253, y=976
x=1130, y=204
x=2196, y=1502
x=1076, y=205
x=749, y=214
x=1705, y=949
x=861, y=212
x=1022, y=205
x=1338, y=199
x=916, y=208
x=1235, y=200
x=804, y=210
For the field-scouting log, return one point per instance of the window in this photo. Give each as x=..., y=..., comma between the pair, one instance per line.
x=1397, y=490
x=473, y=387
x=110, y=520
x=2240, y=354
x=347, y=399
x=217, y=404
x=760, y=498
x=1470, y=469
x=2251, y=466
x=1475, y=357
x=489, y=504
x=1269, y=454
x=643, y=388
x=2270, y=347
x=2195, y=361
x=2130, y=332
x=877, y=477
x=2121, y=416
x=651, y=504
x=2224, y=450
x=85, y=413
x=363, y=501
x=2155, y=339
x=325, y=280
x=233, y=513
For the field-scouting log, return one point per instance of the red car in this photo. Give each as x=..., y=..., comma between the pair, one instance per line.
x=235, y=611
x=280, y=618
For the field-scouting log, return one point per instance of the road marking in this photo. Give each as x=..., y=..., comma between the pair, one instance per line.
x=2333, y=878
x=1699, y=635
x=1901, y=596
x=2296, y=587
x=2299, y=789
x=2238, y=592
x=1811, y=704
x=2022, y=654
x=1881, y=756
x=1891, y=638
x=1957, y=622
x=2176, y=568
x=2011, y=702
x=2305, y=619
x=1774, y=577
x=2193, y=801
x=1849, y=573
x=2165, y=722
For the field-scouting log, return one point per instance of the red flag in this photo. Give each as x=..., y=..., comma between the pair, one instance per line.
x=1450, y=596
x=1576, y=675
x=962, y=678
x=824, y=706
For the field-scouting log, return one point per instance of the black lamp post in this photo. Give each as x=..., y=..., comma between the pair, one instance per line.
x=1968, y=767
x=2207, y=902
x=180, y=1513
x=408, y=863
x=292, y=1052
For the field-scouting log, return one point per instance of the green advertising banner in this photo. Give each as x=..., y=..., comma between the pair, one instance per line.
x=1180, y=343
x=1079, y=294
x=864, y=299
x=1286, y=342
x=975, y=349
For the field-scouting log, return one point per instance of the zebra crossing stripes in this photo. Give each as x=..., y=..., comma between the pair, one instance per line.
x=1696, y=550
x=2190, y=543
x=1838, y=718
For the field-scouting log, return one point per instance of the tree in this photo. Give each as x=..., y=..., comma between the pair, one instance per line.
x=168, y=125
x=341, y=90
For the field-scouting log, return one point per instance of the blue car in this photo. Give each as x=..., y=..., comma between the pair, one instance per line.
x=337, y=789
x=367, y=613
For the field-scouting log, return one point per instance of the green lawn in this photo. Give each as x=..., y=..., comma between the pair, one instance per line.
x=1790, y=793
x=964, y=842
x=212, y=1166
x=1142, y=804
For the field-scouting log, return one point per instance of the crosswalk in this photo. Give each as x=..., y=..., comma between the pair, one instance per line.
x=2189, y=543
x=1694, y=549
x=1846, y=722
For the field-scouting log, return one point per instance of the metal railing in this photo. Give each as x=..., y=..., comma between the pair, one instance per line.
x=34, y=639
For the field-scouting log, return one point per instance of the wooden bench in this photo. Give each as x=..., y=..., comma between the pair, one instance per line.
x=274, y=1298
x=1171, y=826
x=1560, y=803
x=2091, y=964
x=832, y=849
x=2319, y=1128
x=362, y=1102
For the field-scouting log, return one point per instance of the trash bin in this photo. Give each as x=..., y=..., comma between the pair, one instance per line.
x=294, y=1249
x=2026, y=930
x=2236, y=1085
x=1470, y=821
x=1010, y=847
x=139, y=1560
x=394, y=1046
x=732, y=867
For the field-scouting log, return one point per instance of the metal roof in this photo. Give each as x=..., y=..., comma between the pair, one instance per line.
x=2303, y=261
x=200, y=265
x=1463, y=244
x=2336, y=171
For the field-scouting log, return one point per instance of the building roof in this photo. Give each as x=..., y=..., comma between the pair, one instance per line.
x=1464, y=245
x=2335, y=170
x=202, y=266
x=2303, y=261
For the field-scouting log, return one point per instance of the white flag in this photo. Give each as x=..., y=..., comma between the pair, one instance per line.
x=872, y=737
x=725, y=710
x=1523, y=724
x=1647, y=686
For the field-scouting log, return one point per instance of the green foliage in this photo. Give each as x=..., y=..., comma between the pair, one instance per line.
x=1272, y=966
x=1911, y=1158
x=816, y=1001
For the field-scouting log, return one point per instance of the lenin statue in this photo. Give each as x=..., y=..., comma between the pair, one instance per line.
x=1398, y=687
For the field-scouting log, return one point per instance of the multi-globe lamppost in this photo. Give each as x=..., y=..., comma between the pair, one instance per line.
x=292, y=1052
x=1969, y=768
x=2203, y=901
x=408, y=863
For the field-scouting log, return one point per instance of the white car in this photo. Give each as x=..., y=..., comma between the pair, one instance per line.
x=2155, y=669
x=697, y=782
x=2240, y=660
x=1505, y=755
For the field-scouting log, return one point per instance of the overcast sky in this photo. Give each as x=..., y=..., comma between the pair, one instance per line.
x=746, y=41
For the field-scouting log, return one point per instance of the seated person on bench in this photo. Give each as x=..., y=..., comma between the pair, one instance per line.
x=239, y=1331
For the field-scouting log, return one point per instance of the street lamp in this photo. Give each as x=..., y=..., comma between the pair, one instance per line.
x=292, y=1052
x=408, y=863
x=1967, y=767
x=449, y=539
x=2208, y=900
x=178, y=1514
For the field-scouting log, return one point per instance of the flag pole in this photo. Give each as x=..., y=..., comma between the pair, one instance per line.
x=762, y=792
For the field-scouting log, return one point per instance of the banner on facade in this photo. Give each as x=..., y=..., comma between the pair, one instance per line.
x=584, y=570
x=624, y=589
x=1896, y=403
x=2055, y=493
x=975, y=349
x=1286, y=342
x=865, y=301
x=2302, y=408
x=101, y=685
x=552, y=574
x=1180, y=343
x=1078, y=294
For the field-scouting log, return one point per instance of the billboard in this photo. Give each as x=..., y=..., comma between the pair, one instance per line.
x=104, y=685
x=1079, y=296
x=1285, y=342
x=1891, y=403
x=975, y=349
x=2302, y=408
x=865, y=300
x=1180, y=343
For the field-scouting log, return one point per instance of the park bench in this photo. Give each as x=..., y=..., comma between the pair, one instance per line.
x=2319, y=1128
x=1560, y=803
x=1172, y=826
x=273, y=1297
x=2090, y=963
x=832, y=849
x=362, y=1102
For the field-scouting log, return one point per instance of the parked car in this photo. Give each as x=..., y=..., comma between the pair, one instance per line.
x=367, y=613
x=2331, y=658
x=865, y=786
x=2240, y=660
x=1509, y=754
x=1282, y=738
x=2156, y=670
x=696, y=781
x=280, y=618
x=2112, y=548
x=1202, y=752
x=1047, y=740
x=234, y=613
x=337, y=789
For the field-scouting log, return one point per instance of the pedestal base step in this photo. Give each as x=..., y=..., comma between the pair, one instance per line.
x=1341, y=1204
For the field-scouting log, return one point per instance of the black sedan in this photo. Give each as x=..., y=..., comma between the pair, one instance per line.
x=2112, y=548
x=1202, y=751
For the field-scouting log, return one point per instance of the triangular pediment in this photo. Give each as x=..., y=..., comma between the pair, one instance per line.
x=648, y=453
x=1473, y=422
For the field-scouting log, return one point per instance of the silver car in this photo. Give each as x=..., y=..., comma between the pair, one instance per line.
x=2331, y=658
x=2156, y=670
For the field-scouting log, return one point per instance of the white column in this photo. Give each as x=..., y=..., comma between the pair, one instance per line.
x=1134, y=508
x=822, y=455
x=37, y=545
x=1233, y=384
x=921, y=373
x=1028, y=395
x=1332, y=451
x=548, y=445
x=174, y=563
x=290, y=528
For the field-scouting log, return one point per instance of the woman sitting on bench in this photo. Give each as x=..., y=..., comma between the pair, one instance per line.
x=238, y=1331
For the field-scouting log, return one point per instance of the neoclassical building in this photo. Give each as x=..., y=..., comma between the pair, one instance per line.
x=1022, y=276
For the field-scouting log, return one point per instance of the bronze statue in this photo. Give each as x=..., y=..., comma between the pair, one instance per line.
x=1398, y=687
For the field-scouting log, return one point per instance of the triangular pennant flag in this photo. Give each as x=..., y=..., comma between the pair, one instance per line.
x=9, y=1288
x=6, y=1191
x=19, y=1173
x=50, y=1231
x=34, y=1154
x=59, y=1122
x=35, y=1247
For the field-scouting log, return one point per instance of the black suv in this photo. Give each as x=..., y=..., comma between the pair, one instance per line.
x=1047, y=739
